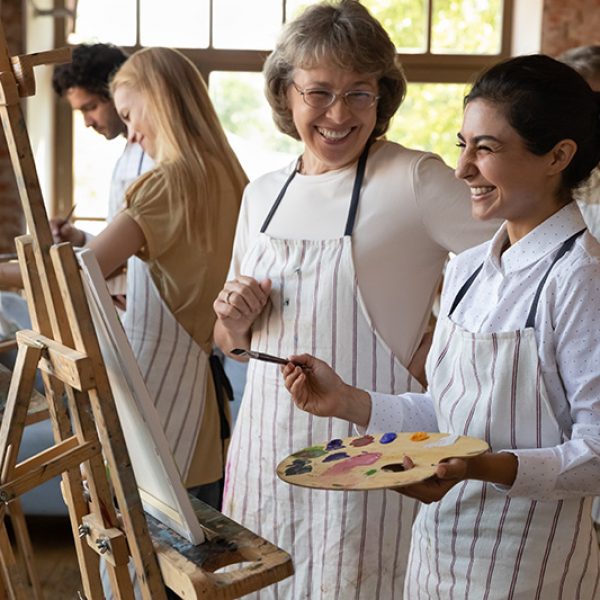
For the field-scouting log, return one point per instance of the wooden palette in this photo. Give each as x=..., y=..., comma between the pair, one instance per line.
x=372, y=462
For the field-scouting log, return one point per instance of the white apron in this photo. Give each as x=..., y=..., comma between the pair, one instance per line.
x=345, y=545
x=477, y=543
x=173, y=365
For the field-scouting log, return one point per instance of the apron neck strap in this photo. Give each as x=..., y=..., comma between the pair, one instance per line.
x=139, y=169
x=281, y=195
x=567, y=245
x=353, y=210
x=463, y=290
x=358, y=181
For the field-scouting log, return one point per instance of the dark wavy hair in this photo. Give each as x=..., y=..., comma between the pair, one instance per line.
x=91, y=68
x=341, y=34
x=546, y=101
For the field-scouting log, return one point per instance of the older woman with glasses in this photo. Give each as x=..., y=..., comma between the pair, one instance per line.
x=340, y=255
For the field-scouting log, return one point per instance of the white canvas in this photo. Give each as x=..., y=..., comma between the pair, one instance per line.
x=161, y=489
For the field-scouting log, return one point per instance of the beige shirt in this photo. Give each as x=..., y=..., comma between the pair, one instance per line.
x=188, y=279
x=412, y=212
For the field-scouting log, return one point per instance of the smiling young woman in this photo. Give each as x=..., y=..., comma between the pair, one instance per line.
x=514, y=358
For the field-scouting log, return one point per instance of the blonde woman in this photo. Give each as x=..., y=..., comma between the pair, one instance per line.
x=176, y=233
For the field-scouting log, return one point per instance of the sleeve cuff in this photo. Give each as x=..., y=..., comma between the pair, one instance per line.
x=406, y=412
x=536, y=474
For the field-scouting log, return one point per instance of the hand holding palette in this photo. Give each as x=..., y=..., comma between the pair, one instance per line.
x=372, y=462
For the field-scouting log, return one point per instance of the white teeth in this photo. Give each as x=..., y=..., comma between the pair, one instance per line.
x=333, y=135
x=479, y=191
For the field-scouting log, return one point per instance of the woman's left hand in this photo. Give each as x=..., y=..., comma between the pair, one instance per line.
x=494, y=467
x=433, y=489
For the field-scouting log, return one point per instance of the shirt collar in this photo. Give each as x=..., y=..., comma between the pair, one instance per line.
x=544, y=239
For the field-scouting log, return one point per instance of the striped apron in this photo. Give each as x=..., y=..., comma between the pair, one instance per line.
x=173, y=365
x=478, y=543
x=345, y=545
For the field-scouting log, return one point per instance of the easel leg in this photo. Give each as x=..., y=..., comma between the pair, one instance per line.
x=14, y=577
x=17, y=518
x=11, y=433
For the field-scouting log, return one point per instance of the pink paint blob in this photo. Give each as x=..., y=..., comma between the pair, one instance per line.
x=345, y=466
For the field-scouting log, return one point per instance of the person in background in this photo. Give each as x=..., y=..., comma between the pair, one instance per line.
x=176, y=234
x=84, y=84
x=338, y=253
x=514, y=359
x=586, y=61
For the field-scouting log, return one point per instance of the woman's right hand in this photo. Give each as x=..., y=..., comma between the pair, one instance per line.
x=316, y=388
x=63, y=231
x=240, y=302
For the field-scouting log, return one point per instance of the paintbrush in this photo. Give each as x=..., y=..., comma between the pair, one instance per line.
x=70, y=213
x=262, y=356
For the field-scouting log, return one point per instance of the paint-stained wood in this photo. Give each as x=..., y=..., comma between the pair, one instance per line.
x=191, y=571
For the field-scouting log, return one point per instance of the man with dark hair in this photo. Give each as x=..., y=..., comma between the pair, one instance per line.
x=84, y=84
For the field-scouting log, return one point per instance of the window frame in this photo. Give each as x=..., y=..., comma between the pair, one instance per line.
x=425, y=67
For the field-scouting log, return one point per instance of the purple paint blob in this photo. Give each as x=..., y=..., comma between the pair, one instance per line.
x=336, y=456
x=365, y=440
x=335, y=445
x=344, y=467
x=386, y=438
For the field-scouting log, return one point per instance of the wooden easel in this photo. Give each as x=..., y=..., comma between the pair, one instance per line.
x=106, y=515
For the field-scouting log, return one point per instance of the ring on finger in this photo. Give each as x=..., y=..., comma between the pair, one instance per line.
x=227, y=296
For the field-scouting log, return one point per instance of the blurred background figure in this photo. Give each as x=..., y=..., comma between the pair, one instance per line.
x=586, y=61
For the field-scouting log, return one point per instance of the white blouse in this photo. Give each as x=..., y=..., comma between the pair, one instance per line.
x=567, y=330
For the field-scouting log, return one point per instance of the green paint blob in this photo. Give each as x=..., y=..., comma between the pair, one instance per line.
x=371, y=472
x=312, y=452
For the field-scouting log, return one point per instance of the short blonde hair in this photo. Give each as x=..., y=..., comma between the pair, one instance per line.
x=189, y=135
x=338, y=34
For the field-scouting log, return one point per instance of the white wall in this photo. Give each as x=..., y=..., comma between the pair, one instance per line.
x=40, y=117
x=527, y=26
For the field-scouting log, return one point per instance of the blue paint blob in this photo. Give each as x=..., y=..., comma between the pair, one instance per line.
x=298, y=467
x=336, y=456
x=386, y=438
x=335, y=445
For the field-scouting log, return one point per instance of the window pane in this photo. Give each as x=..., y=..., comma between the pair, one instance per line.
x=106, y=21
x=251, y=25
x=246, y=117
x=430, y=118
x=467, y=27
x=94, y=158
x=177, y=23
x=404, y=20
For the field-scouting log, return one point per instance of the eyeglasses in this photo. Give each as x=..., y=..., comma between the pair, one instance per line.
x=355, y=99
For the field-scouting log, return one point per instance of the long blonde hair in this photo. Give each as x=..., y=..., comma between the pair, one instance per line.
x=188, y=131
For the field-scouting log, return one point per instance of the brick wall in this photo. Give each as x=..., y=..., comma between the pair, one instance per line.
x=12, y=222
x=568, y=24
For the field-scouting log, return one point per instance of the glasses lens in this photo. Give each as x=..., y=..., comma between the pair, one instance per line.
x=359, y=100
x=318, y=98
